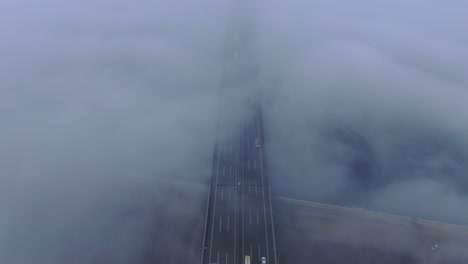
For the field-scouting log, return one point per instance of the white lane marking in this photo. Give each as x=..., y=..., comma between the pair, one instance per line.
x=218, y=257
x=257, y=218
x=227, y=224
x=206, y=224
x=259, y=251
x=229, y=194
x=235, y=210
x=242, y=187
x=255, y=164
x=222, y=194
x=263, y=193
x=220, y=223
x=214, y=204
x=272, y=223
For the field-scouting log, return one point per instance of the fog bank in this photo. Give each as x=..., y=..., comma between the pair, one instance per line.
x=365, y=103
x=98, y=101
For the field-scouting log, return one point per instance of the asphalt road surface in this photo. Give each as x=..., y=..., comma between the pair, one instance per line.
x=240, y=221
x=239, y=217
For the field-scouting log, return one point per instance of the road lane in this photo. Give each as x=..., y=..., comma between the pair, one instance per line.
x=244, y=198
x=239, y=217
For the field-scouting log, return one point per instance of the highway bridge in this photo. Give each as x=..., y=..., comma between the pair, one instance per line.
x=239, y=218
x=239, y=223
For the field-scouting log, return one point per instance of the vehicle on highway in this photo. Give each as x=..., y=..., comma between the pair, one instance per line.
x=263, y=260
x=435, y=247
x=257, y=142
x=247, y=259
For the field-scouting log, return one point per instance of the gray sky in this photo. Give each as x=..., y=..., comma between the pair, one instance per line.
x=364, y=103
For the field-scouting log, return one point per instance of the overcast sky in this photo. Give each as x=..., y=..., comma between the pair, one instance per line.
x=364, y=103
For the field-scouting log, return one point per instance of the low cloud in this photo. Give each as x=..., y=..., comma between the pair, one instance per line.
x=365, y=103
x=99, y=100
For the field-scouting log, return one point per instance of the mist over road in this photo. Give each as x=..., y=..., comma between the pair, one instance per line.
x=365, y=104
